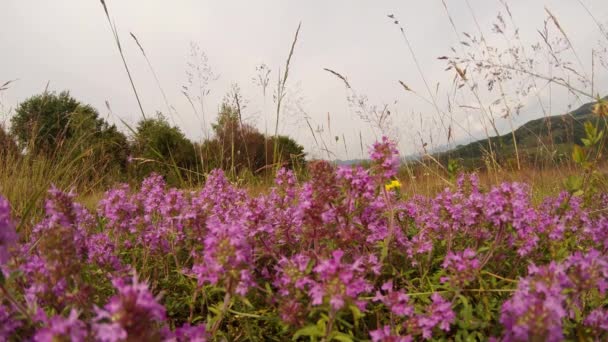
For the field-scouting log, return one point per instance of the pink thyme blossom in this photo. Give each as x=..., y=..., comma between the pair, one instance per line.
x=339, y=282
x=396, y=301
x=132, y=313
x=384, y=334
x=462, y=267
x=385, y=159
x=8, y=237
x=58, y=328
x=226, y=258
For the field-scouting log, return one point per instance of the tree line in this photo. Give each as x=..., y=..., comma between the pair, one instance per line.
x=52, y=125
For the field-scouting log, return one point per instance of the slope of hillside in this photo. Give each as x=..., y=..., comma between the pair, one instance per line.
x=540, y=140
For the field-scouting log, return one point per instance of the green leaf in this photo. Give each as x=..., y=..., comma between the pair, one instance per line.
x=214, y=310
x=268, y=288
x=586, y=142
x=578, y=154
x=573, y=183
x=311, y=331
x=340, y=336
x=384, y=251
x=590, y=129
x=197, y=318
x=467, y=312
x=356, y=312
x=246, y=301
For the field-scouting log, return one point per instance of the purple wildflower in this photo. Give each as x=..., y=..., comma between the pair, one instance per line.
x=190, y=333
x=8, y=323
x=396, y=301
x=439, y=314
x=462, y=267
x=119, y=209
x=59, y=328
x=597, y=319
x=537, y=308
x=509, y=205
x=292, y=274
x=133, y=313
x=8, y=237
x=384, y=335
x=101, y=251
x=339, y=282
x=227, y=258
x=385, y=159
x=586, y=272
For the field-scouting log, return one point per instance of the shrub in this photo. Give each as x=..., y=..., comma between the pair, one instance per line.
x=58, y=126
x=7, y=144
x=238, y=146
x=161, y=148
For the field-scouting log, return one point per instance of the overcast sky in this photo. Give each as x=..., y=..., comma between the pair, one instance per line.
x=68, y=43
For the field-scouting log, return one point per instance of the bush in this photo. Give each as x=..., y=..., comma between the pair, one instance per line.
x=290, y=154
x=7, y=143
x=238, y=146
x=164, y=149
x=59, y=127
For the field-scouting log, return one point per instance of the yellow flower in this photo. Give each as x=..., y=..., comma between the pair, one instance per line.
x=394, y=184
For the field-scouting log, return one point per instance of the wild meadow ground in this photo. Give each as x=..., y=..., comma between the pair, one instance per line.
x=385, y=252
x=350, y=254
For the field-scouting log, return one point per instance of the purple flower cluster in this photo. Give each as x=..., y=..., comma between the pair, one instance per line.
x=462, y=267
x=227, y=258
x=189, y=333
x=537, y=308
x=133, y=313
x=384, y=335
x=339, y=282
x=59, y=328
x=396, y=301
x=336, y=255
x=552, y=293
x=8, y=237
x=438, y=314
x=598, y=319
x=8, y=323
x=385, y=158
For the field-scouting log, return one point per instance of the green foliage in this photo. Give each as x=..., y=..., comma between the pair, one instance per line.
x=291, y=154
x=588, y=155
x=239, y=147
x=547, y=139
x=453, y=168
x=7, y=144
x=592, y=135
x=57, y=126
x=42, y=121
x=162, y=148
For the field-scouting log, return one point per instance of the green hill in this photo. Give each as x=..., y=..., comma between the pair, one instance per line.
x=547, y=139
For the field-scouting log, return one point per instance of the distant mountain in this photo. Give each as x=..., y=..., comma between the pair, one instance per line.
x=545, y=139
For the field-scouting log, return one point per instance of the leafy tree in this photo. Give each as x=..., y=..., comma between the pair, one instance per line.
x=291, y=154
x=45, y=121
x=238, y=146
x=7, y=144
x=57, y=125
x=162, y=148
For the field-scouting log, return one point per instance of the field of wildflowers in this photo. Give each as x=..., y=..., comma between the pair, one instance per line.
x=343, y=256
